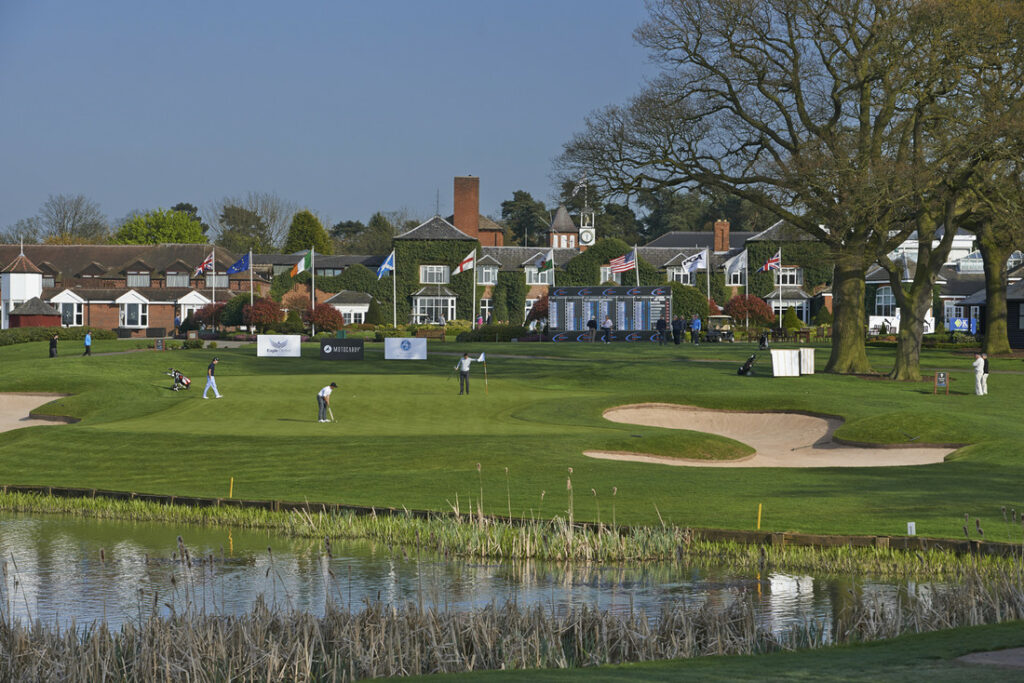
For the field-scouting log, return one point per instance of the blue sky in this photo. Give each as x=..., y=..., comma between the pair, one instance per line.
x=343, y=107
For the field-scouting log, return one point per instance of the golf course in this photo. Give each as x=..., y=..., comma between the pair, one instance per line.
x=404, y=438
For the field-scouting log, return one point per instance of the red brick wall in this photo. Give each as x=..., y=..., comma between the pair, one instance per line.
x=721, y=235
x=467, y=205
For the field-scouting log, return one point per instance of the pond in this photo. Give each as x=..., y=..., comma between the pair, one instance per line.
x=75, y=571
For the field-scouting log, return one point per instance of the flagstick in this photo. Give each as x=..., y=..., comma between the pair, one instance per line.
x=485, y=378
x=746, y=293
x=213, y=313
x=394, y=292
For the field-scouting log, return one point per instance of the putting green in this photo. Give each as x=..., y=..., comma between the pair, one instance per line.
x=404, y=437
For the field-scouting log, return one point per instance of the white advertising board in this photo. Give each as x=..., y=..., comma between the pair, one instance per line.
x=405, y=349
x=278, y=345
x=806, y=360
x=786, y=362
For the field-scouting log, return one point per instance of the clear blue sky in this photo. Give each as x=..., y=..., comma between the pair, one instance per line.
x=343, y=107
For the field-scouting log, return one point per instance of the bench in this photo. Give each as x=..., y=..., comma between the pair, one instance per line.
x=430, y=333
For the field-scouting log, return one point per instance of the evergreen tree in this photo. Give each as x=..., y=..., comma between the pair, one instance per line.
x=307, y=232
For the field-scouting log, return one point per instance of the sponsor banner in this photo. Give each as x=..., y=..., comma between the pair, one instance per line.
x=609, y=291
x=279, y=345
x=617, y=336
x=405, y=349
x=341, y=349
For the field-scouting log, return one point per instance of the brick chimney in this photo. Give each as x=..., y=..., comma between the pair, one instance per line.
x=721, y=235
x=467, y=205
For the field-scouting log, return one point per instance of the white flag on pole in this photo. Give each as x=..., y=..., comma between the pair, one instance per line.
x=695, y=262
x=737, y=264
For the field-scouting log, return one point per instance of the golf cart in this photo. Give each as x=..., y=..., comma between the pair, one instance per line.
x=719, y=329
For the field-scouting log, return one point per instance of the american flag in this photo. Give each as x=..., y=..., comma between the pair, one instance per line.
x=774, y=263
x=206, y=265
x=624, y=262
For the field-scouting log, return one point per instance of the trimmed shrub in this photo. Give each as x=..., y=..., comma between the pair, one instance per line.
x=495, y=332
x=21, y=335
x=790, y=320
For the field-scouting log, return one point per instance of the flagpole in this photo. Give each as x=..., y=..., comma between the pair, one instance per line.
x=746, y=292
x=312, y=287
x=780, y=289
x=394, y=290
x=707, y=274
x=636, y=264
x=472, y=310
x=250, y=278
x=213, y=267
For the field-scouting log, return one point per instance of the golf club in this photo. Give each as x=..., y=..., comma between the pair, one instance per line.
x=331, y=413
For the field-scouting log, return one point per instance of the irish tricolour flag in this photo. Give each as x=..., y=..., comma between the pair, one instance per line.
x=304, y=264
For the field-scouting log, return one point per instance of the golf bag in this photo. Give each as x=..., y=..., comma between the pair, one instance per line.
x=747, y=369
x=762, y=341
x=180, y=381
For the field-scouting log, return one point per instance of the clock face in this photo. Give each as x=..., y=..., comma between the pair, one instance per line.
x=586, y=236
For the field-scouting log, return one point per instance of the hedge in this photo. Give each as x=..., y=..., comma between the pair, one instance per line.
x=500, y=333
x=21, y=335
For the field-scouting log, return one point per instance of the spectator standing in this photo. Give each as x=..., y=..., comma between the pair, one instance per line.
x=984, y=375
x=661, y=327
x=979, y=374
x=88, y=343
x=606, y=328
x=677, y=329
x=53, y=346
x=695, y=329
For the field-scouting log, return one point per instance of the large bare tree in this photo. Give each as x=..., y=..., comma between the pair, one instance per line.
x=72, y=219
x=812, y=109
x=274, y=214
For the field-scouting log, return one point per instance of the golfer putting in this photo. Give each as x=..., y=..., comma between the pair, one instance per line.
x=323, y=403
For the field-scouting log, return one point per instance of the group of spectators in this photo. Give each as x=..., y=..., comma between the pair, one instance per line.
x=679, y=328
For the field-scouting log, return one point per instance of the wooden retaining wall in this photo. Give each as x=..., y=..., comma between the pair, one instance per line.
x=774, y=538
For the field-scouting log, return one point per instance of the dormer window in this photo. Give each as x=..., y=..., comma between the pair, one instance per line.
x=138, y=278
x=48, y=280
x=218, y=280
x=176, y=279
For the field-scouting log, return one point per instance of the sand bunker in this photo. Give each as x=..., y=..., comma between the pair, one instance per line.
x=780, y=439
x=15, y=409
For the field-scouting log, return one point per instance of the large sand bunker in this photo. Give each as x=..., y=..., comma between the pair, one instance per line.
x=15, y=409
x=780, y=439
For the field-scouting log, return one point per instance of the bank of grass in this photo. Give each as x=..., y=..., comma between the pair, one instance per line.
x=405, y=438
x=911, y=658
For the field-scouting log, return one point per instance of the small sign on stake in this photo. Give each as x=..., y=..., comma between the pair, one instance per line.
x=941, y=382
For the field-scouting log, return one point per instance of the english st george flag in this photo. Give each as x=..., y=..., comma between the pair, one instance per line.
x=466, y=263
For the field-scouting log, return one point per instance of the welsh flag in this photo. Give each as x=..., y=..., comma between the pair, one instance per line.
x=304, y=264
x=546, y=262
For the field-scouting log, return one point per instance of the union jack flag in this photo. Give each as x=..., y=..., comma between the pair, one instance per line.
x=624, y=262
x=774, y=263
x=206, y=265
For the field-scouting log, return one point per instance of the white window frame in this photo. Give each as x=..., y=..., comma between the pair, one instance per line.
x=353, y=317
x=423, y=305
x=487, y=275
x=680, y=275
x=885, y=302
x=535, y=278
x=178, y=277
x=528, y=307
x=486, y=308
x=434, y=275
x=736, y=278
x=608, y=276
x=789, y=276
x=802, y=309
x=137, y=278
x=142, y=314
x=218, y=280
x=77, y=317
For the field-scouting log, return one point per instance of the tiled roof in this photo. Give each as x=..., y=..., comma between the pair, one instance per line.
x=562, y=222
x=156, y=294
x=21, y=264
x=433, y=290
x=322, y=261
x=781, y=231
x=34, y=306
x=346, y=296
x=436, y=228
x=699, y=240
x=513, y=258
x=483, y=223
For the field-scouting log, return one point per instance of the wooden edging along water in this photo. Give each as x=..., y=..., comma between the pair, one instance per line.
x=773, y=538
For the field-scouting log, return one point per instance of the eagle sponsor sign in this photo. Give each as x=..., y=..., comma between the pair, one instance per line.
x=405, y=349
x=341, y=349
x=279, y=345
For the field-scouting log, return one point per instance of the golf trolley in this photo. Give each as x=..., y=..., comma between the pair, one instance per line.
x=747, y=369
x=180, y=381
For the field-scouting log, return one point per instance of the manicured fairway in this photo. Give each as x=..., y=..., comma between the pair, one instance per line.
x=405, y=438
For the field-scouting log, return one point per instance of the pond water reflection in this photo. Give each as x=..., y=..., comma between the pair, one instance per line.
x=69, y=570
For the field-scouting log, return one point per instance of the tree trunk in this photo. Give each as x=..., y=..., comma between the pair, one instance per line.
x=994, y=257
x=849, y=355
x=908, y=340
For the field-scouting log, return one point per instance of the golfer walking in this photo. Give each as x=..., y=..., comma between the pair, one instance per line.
x=323, y=401
x=463, y=367
x=211, y=382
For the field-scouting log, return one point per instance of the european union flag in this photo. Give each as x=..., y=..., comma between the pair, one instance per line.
x=241, y=265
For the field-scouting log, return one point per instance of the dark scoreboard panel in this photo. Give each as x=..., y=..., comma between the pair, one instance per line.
x=633, y=310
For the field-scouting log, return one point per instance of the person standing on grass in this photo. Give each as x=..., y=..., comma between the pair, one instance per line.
x=695, y=329
x=463, y=367
x=979, y=374
x=211, y=382
x=592, y=329
x=984, y=375
x=662, y=333
x=88, y=343
x=53, y=346
x=606, y=328
x=677, y=329
x=323, y=401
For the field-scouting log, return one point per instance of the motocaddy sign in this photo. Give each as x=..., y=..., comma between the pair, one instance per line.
x=341, y=349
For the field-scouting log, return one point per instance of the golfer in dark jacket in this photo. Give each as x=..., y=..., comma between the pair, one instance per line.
x=53, y=346
x=660, y=326
x=677, y=329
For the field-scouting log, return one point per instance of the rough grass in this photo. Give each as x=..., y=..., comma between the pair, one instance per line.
x=405, y=438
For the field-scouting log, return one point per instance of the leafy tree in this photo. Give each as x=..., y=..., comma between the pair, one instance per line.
x=822, y=316
x=539, y=311
x=790, y=320
x=161, y=227
x=72, y=219
x=193, y=211
x=307, y=232
x=687, y=300
x=617, y=221
x=292, y=323
x=274, y=213
x=374, y=314
x=232, y=314
x=352, y=237
x=525, y=216
x=263, y=313
x=835, y=116
x=242, y=229
x=210, y=314
x=324, y=317
x=744, y=307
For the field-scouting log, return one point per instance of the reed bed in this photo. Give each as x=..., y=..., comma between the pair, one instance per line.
x=554, y=540
x=380, y=640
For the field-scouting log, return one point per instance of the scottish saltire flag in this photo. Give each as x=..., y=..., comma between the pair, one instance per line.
x=481, y=359
x=774, y=263
x=239, y=266
x=305, y=263
x=695, y=262
x=388, y=265
x=624, y=262
x=546, y=262
x=206, y=265
x=466, y=263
